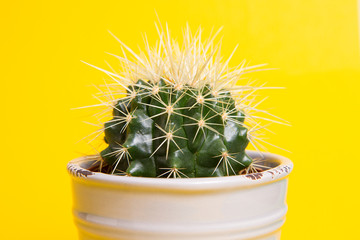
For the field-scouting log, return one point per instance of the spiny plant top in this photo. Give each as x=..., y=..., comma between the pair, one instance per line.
x=177, y=111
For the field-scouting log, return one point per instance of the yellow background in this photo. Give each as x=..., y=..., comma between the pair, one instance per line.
x=314, y=44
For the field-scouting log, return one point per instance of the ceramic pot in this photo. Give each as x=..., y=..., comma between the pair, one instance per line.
x=112, y=207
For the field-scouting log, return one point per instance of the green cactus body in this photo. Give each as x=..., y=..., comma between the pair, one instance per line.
x=163, y=130
x=178, y=110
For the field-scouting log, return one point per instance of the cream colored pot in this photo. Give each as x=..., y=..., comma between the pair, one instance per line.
x=249, y=206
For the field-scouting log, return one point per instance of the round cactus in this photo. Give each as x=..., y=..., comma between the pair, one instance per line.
x=182, y=113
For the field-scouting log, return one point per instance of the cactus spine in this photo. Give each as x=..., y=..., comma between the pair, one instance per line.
x=181, y=114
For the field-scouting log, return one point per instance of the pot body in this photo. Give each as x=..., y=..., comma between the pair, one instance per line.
x=249, y=206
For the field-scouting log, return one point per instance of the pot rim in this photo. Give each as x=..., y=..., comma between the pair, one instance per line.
x=282, y=169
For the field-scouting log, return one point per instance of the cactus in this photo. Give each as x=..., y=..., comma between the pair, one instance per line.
x=181, y=113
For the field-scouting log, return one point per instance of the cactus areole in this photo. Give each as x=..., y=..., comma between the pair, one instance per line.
x=178, y=111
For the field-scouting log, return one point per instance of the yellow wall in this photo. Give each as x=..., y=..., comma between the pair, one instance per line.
x=314, y=44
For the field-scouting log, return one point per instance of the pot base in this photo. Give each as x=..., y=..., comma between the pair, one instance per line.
x=272, y=236
x=96, y=228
